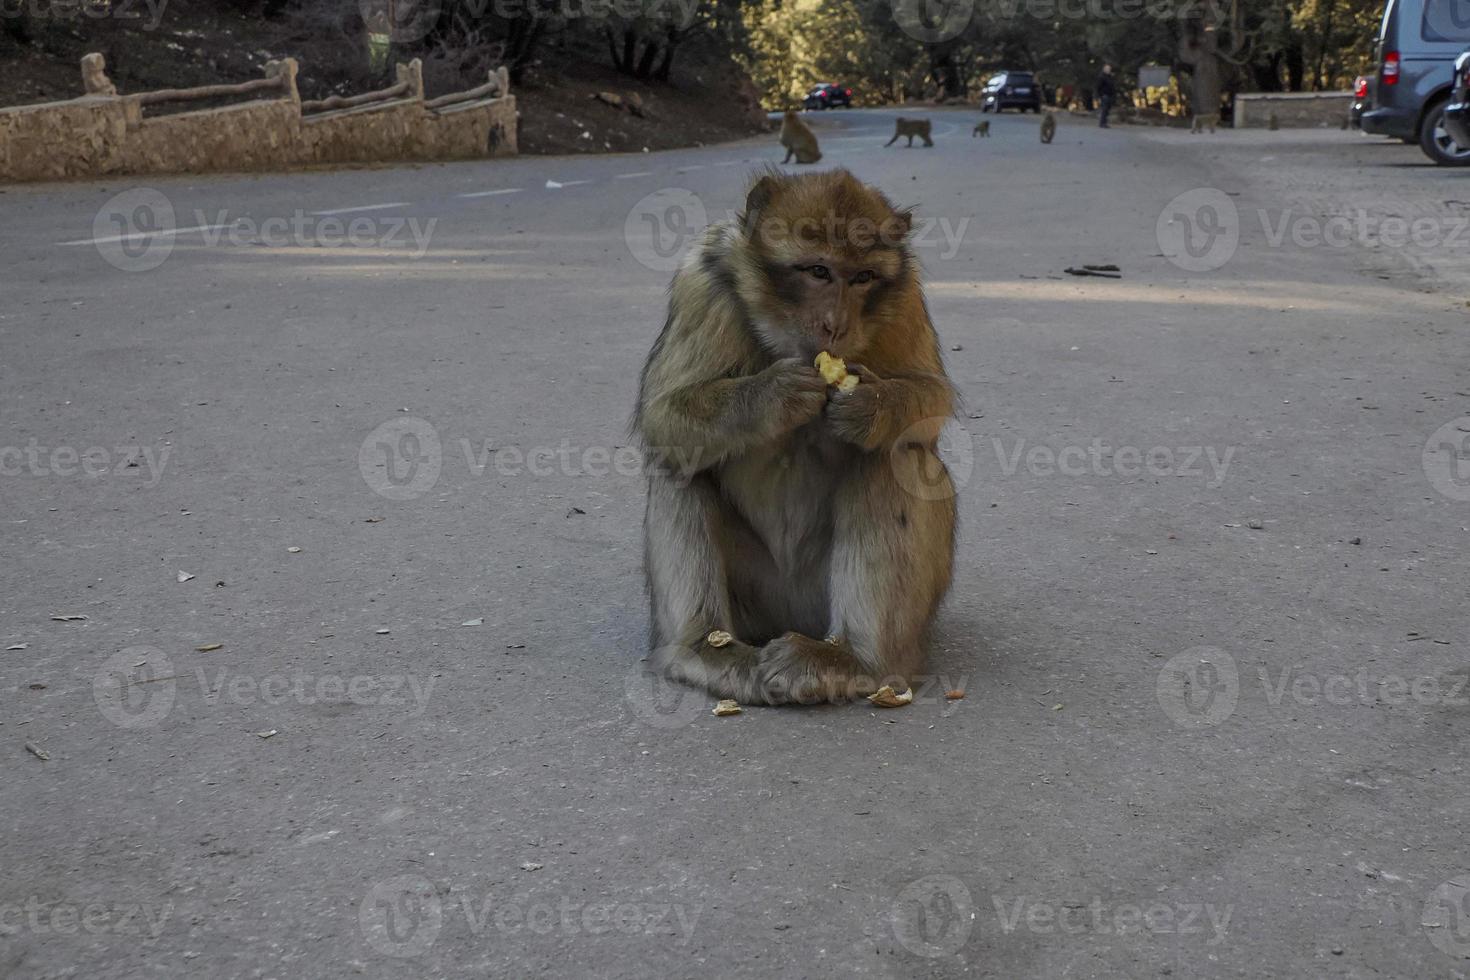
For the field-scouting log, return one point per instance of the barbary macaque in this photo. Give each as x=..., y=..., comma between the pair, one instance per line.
x=982, y=128
x=798, y=139
x=1048, y=127
x=911, y=128
x=798, y=549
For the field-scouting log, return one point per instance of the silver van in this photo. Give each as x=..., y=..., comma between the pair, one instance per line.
x=1417, y=46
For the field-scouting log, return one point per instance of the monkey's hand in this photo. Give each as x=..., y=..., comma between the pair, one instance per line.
x=879, y=411
x=855, y=415
x=790, y=393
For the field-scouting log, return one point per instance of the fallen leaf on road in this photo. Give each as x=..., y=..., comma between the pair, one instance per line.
x=17, y=646
x=69, y=618
x=885, y=697
x=209, y=647
x=728, y=707
x=531, y=866
x=37, y=751
x=184, y=576
x=294, y=550
x=382, y=632
x=479, y=621
x=267, y=734
x=955, y=695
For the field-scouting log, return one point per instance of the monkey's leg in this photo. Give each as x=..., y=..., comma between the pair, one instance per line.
x=894, y=140
x=911, y=139
x=892, y=558
x=686, y=534
x=790, y=152
x=927, y=140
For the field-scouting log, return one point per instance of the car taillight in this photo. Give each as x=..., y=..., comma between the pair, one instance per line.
x=849, y=91
x=1360, y=88
x=1391, y=68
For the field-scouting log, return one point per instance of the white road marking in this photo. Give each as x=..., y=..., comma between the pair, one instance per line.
x=728, y=163
x=500, y=190
x=685, y=170
x=640, y=173
x=567, y=183
x=142, y=235
x=365, y=207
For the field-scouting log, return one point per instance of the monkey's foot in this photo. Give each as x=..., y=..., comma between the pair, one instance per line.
x=797, y=669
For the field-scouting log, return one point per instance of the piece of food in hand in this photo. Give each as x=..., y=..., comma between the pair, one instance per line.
x=719, y=638
x=834, y=371
x=884, y=697
x=728, y=707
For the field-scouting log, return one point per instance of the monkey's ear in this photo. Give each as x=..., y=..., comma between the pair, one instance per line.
x=757, y=200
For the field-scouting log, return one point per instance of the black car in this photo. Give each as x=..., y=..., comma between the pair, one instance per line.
x=1012, y=90
x=1457, y=113
x=825, y=95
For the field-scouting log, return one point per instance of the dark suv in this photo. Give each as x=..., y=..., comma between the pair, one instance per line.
x=825, y=95
x=1418, y=43
x=1012, y=90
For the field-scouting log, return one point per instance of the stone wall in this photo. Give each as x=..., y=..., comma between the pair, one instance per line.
x=105, y=134
x=1294, y=110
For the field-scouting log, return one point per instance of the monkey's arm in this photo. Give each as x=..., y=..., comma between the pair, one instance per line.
x=707, y=393
x=700, y=425
x=878, y=411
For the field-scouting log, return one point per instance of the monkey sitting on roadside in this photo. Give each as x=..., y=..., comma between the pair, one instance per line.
x=1048, y=127
x=798, y=139
x=799, y=537
x=911, y=128
x=1206, y=120
x=982, y=128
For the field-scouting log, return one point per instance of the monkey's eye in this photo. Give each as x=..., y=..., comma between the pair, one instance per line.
x=865, y=276
x=820, y=272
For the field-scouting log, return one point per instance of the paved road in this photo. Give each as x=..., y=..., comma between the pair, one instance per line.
x=1210, y=613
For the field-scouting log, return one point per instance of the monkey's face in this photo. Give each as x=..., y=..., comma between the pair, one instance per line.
x=830, y=263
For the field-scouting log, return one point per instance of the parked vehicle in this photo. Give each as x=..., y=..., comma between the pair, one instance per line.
x=1012, y=90
x=1418, y=43
x=1457, y=113
x=825, y=95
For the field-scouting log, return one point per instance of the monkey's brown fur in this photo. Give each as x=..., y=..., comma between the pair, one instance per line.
x=911, y=128
x=1048, y=127
x=982, y=128
x=814, y=526
x=798, y=139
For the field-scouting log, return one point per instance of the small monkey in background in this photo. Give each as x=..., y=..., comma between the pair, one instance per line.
x=911, y=128
x=798, y=139
x=1201, y=122
x=1048, y=127
x=798, y=538
x=982, y=128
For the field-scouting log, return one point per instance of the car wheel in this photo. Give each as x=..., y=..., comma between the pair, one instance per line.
x=1436, y=141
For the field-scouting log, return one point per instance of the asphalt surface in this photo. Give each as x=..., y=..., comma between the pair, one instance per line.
x=1210, y=614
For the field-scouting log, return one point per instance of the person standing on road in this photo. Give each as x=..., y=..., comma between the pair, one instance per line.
x=1107, y=92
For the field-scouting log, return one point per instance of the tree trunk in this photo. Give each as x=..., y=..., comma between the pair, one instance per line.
x=645, y=64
